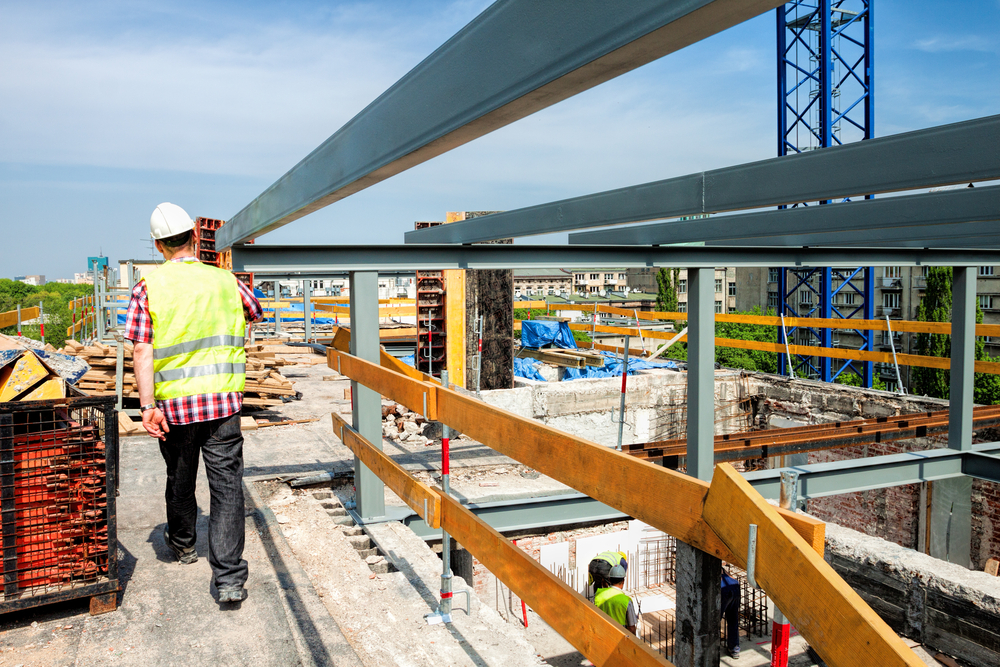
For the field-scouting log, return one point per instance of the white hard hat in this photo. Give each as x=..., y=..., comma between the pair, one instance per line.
x=169, y=220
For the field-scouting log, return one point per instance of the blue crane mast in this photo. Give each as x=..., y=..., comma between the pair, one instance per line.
x=825, y=98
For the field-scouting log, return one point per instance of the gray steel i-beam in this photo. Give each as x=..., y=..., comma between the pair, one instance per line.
x=307, y=308
x=701, y=373
x=310, y=260
x=957, y=235
x=944, y=155
x=858, y=221
x=366, y=404
x=548, y=51
x=963, y=357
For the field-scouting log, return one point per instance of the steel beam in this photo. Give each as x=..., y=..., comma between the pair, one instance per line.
x=982, y=466
x=963, y=358
x=701, y=373
x=295, y=261
x=944, y=155
x=510, y=516
x=857, y=220
x=366, y=404
x=958, y=235
x=817, y=480
x=516, y=58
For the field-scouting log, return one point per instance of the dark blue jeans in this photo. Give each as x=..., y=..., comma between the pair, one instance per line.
x=731, y=610
x=220, y=442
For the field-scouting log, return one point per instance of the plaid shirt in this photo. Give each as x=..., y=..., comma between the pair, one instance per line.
x=200, y=407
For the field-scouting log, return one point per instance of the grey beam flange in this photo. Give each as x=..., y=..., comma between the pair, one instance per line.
x=945, y=155
x=857, y=221
x=293, y=261
x=516, y=58
x=817, y=480
x=958, y=235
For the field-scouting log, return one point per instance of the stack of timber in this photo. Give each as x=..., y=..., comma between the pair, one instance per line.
x=562, y=357
x=265, y=385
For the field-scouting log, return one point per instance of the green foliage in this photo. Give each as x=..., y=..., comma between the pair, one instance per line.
x=528, y=314
x=666, y=290
x=751, y=360
x=55, y=298
x=854, y=380
x=936, y=306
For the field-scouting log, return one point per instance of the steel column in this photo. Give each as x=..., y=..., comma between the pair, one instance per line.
x=869, y=314
x=963, y=357
x=701, y=373
x=366, y=404
x=307, y=308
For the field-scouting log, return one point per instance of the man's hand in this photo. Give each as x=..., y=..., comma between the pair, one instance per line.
x=155, y=423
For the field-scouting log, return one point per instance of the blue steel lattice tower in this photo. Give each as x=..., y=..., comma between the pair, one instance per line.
x=825, y=98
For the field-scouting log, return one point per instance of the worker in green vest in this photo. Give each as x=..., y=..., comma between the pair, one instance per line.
x=607, y=576
x=187, y=321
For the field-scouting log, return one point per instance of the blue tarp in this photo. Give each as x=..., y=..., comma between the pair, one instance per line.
x=257, y=293
x=527, y=368
x=409, y=360
x=537, y=334
x=613, y=368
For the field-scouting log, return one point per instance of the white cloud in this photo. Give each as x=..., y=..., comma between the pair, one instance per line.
x=949, y=43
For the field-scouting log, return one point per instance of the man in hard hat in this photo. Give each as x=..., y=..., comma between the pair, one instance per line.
x=188, y=320
x=607, y=576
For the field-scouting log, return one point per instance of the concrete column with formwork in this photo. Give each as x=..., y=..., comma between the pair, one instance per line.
x=699, y=575
x=366, y=406
x=480, y=292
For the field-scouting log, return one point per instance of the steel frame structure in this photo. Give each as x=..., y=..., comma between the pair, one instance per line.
x=595, y=42
x=822, y=84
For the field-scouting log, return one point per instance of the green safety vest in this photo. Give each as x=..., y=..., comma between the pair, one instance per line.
x=198, y=328
x=612, y=602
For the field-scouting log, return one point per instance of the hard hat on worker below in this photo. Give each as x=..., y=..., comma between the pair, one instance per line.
x=169, y=220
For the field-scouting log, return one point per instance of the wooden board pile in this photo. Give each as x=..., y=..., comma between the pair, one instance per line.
x=265, y=384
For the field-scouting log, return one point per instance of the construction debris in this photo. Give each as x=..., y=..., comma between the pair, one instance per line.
x=25, y=377
x=401, y=425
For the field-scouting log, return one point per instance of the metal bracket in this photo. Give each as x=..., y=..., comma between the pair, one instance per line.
x=752, y=555
x=789, y=499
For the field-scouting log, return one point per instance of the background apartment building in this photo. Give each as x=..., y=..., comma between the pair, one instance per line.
x=542, y=282
x=644, y=280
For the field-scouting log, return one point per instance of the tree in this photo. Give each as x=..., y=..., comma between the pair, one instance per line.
x=55, y=298
x=666, y=290
x=936, y=306
x=751, y=360
x=854, y=380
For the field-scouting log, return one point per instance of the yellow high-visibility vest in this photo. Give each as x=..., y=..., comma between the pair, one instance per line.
x=613, y=602
x=198, y=328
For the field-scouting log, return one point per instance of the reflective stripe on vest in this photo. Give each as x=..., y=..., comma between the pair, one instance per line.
x=198, y=328
x=613, y=602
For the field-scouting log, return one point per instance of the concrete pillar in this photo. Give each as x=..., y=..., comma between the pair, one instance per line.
x=699, y=575
x=699, y=600
x=963, y=357
x=366, y=404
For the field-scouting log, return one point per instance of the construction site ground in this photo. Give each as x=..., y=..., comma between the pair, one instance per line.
x=321, y=591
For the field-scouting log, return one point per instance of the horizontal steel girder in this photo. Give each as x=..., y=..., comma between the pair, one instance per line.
x=958, y=153
x=837, y=477
x=516, y=58
x=291, y=261
x=508, y=516
x=959, y=235
x=855, y=221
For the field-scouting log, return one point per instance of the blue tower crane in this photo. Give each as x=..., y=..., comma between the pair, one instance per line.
x=825, y=98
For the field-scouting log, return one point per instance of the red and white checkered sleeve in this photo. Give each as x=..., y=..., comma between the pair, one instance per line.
x=138, y=323
x=251, y=306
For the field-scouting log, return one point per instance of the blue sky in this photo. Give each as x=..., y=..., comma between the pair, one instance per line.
x=110, y=107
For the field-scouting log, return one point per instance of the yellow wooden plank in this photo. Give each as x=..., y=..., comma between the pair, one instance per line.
x=419, y=497
x=418, y=396
x=342, y=343
x=592, y=632
x=9, y=319
x=614, y=478
x=825, y=610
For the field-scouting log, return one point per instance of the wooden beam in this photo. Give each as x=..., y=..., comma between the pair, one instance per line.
x=614, y=478
x=552, y=357
x=419, y=497
x=418, y=396
x=342, y=343
x=825, y=610
x=9, y=318
x=592, y=632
